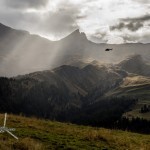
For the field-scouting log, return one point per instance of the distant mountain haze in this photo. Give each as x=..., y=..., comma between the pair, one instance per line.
x=22, y=53
x=56, y=93
x=135, y=64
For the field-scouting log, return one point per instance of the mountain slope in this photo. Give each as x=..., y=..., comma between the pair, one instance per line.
x=97, y=94
x=135, y=64
x=58, y=93
x=137, y=82
x=43, y=135
x=67, y=87
x=23, y=53
x=134, y=86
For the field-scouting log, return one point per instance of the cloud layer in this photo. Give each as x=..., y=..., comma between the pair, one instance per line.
x=18, y=4
x=110, y=21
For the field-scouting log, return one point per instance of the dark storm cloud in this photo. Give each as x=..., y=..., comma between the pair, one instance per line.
x=17, y=4
x=138, y=19
x=132, y=26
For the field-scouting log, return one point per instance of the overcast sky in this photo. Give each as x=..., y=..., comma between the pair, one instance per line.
x=109, y=21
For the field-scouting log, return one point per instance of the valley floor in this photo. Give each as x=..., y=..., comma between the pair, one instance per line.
x=37, y=134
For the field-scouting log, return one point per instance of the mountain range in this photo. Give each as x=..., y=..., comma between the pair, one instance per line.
x=23, y=53
x=72, y=79
x=60, y=90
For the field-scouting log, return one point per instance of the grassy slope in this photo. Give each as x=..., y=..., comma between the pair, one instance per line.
x=133, y=86
x=138, y=86
x=35, y=134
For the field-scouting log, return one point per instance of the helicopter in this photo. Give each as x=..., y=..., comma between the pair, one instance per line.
x=108, y=49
